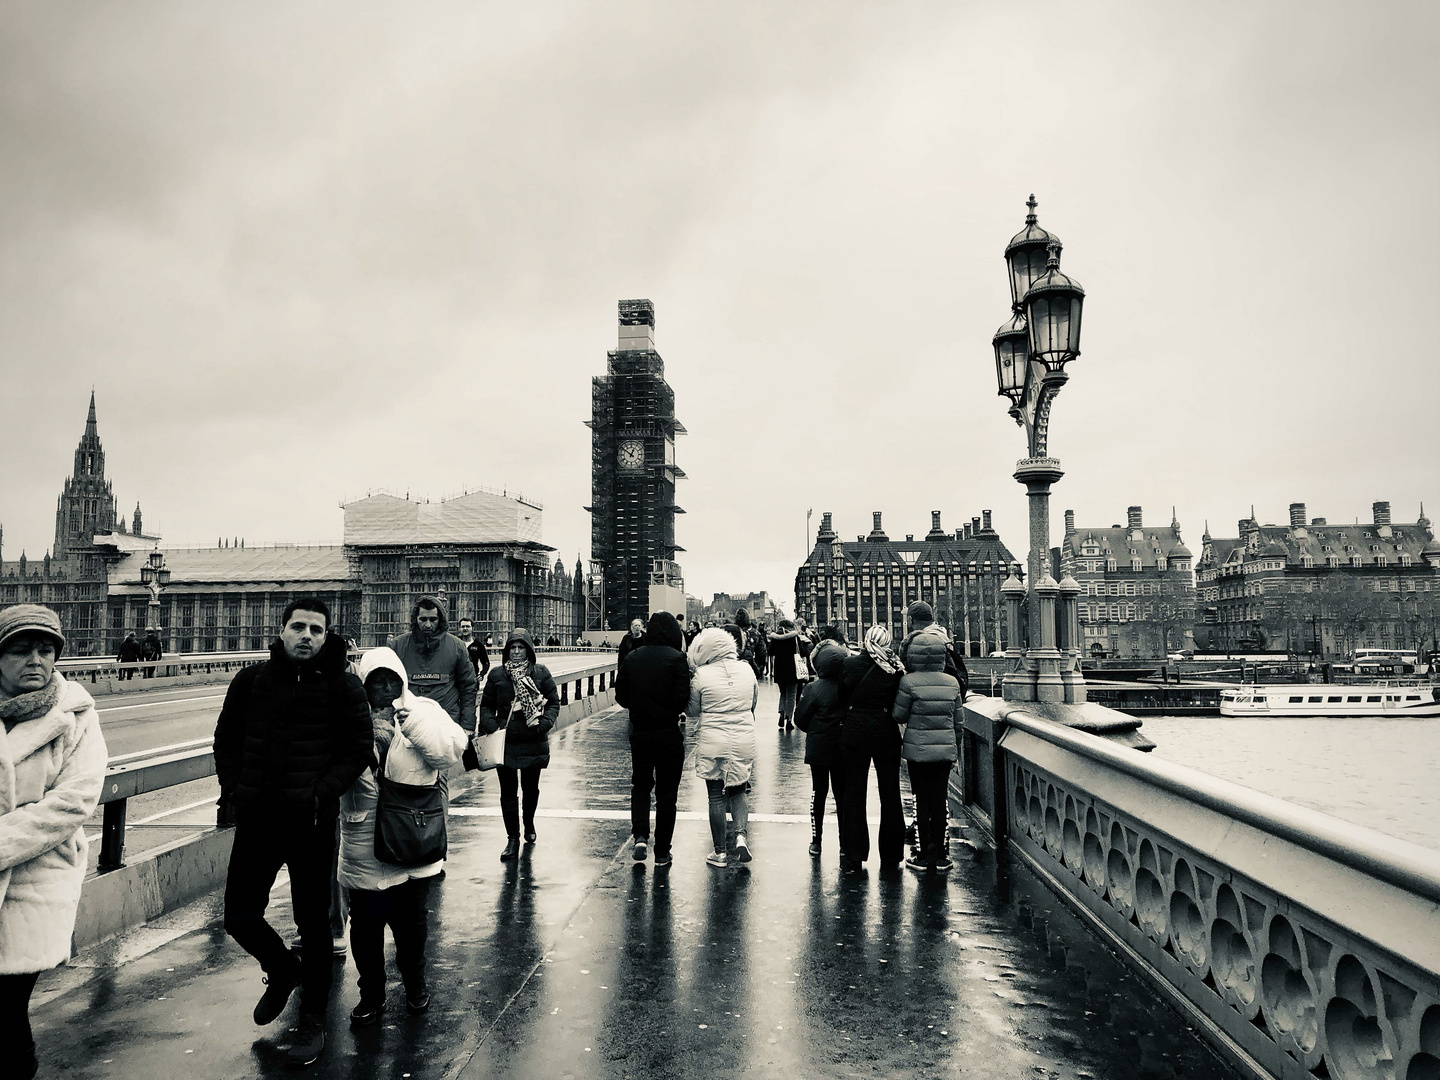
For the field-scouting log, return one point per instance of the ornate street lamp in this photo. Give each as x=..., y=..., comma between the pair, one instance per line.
x=1031, y=351
x=155, y=576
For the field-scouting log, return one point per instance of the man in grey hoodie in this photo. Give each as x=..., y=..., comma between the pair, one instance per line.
x=437, y=663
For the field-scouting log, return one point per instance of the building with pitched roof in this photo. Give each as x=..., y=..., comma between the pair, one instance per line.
x=874, y=579
x=1319, y=588
x=1137, y=588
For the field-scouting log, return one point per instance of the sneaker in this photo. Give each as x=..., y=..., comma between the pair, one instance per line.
x=642, y=848
x=717, y=858
x=309, y=1041
x=277, y=994
x=417, y=1003
x=742, y=849
x=662, y=858
x=915, y=862
x=337, y=948
x=941, y=864
x=367, y=1012
x=815, y=847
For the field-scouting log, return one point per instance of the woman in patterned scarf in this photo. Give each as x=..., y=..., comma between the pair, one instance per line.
x=868, y=734
x=522, y=696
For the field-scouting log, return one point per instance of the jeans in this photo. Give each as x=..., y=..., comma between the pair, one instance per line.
x=263, y=843
x=722, y=797
x=854, y=828
x=823, y=779
x=15, y=1036
x=657, y=759
x=403, y=908
x=787, y=700
x=928, y=781
x=510, y=780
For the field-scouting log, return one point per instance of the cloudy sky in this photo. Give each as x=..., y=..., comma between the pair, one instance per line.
x=302, y=251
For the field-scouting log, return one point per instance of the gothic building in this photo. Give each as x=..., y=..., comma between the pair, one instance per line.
x=86, y=504
x=633, y=475
x=874, y=579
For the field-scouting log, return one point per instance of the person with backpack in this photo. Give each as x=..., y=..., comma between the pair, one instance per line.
x=821, y=715
x=783, y=648
x=927, y=705
x=869, y=736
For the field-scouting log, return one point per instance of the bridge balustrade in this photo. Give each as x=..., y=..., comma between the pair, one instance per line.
x=1301, y=945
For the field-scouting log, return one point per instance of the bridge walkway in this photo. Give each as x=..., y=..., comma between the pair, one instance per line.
x=576, y=961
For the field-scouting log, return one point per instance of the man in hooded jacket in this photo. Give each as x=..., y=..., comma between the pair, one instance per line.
x=437, y=663
x=654, y=685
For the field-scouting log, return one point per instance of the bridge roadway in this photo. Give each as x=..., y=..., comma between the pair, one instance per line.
x=574, y=961
x=152, y=719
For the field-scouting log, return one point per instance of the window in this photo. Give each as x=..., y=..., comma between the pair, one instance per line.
x=1298, y=699
x=1334, y=700
x=1316, y=699
x=1373, y=697
x=1110, y=565
x=1352, y=699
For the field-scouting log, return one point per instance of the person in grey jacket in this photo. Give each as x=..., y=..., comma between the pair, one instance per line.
x=927, y=704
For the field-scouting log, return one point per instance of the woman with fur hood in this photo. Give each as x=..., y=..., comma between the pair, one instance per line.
x=521, y=694
x=722, y=699
x=52, y=769
x=414, y=740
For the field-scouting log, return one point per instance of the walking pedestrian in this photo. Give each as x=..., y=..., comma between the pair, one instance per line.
x=821, y=715
x=380, y=893
x=630, y=641
x=783, y=647
x=52, y=769
x=654, y=685
x=151, y=650
x=522, y=696
x=723, y=693
x=869, y=735
x=293, y=735
x=475, y=649
x=129, y=654
x=436, y=663
x=927, y=705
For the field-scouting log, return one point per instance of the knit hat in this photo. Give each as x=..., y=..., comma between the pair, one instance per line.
x=920, y=611
x=33, y=617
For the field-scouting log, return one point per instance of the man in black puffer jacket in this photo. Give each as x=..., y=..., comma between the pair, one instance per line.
x=293, y=735
x=654, y=684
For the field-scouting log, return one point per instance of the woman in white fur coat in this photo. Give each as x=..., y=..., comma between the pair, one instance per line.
x=52, y=769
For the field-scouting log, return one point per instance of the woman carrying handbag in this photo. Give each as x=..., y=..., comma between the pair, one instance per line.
x=415, y=741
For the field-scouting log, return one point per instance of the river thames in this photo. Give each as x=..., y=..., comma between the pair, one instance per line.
x=1383, y=774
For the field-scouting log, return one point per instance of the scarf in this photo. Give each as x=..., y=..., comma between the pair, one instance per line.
x=28, y=706
x=527, y=695
x=877, y=647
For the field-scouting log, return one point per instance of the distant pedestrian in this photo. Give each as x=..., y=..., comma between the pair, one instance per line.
x=692, y=633
x=522, y=696
x=52, y=770
x=723, y=693
x=821, y=715
x=784, y=649
x=129, y=654
x=476, y=650
x=630, y=641
x=869, y=735
x=293, y=735
x=436, y=662
x=380, y=893
x=927, y=703
x=150, y=651
x=654, y=685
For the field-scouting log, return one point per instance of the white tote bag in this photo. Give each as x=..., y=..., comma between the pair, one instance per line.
x=490, y=749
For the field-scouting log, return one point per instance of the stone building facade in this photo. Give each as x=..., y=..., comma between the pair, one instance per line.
x=1137, y=587
x=873, y=579
x=722, y=607
x=1319, y=588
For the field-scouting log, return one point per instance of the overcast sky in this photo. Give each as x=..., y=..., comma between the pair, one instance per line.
x=303, y=251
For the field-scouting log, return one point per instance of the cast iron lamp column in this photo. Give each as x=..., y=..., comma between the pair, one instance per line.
x=155, y=576
x=1031, y=351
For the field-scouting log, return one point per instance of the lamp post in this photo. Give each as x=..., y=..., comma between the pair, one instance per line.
x=1031, y=351
x=155, y=576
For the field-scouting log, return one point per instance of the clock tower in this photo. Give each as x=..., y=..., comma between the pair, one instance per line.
x=633, y=472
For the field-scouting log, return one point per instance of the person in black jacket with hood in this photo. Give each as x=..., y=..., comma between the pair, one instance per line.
x=654, y=684
x=292, y=736
x=821, y=715
x=870, y=681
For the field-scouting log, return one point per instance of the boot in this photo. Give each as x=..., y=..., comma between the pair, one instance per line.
x=512, y=848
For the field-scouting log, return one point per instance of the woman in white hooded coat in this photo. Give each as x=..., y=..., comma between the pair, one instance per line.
x=380, y=894
x=722, y=697
x=52, y=769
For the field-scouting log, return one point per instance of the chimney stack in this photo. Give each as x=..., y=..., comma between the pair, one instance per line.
x=1317, y=521
x=1069, y=522
x=936, y=532
x=1132, y=517
x=1297, y=515
x=1382, y=513
x=877, y=534
x=974, y=526
x=967, y=531
x=986, y=525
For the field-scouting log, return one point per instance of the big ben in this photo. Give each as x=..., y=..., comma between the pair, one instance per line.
x=633, y=474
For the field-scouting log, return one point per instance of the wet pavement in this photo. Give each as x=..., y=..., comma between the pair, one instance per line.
x=574, y=961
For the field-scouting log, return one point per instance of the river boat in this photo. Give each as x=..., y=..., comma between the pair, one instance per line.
x=1321, y=699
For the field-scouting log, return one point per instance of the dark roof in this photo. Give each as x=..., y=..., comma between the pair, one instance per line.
x=975, y=553
x=1319, y=542
x=1120, y=543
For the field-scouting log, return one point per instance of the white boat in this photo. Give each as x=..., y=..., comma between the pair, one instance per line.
x=1315, y=699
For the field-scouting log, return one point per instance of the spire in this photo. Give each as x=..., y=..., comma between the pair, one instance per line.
x=90, y=428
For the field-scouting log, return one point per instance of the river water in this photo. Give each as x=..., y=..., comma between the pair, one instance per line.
x=1383, y=774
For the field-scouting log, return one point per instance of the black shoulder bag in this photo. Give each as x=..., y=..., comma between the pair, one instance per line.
x=409, y=821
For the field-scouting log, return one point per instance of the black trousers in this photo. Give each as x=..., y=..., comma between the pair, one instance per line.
x=928, y=780
x=263, y=843
x=402, y=908
x=657, y=759
x=825, y=778
x=854, y=826
x=511, y=780
x=15, y=1036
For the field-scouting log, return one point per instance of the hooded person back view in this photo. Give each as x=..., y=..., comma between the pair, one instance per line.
x=437, y=662
x=654, y=685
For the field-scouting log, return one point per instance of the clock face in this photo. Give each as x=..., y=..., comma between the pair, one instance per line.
x=632, y=455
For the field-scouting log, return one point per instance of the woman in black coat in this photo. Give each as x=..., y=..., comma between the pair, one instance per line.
x=521, y=694
x=869, y=682
x=821, y=715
